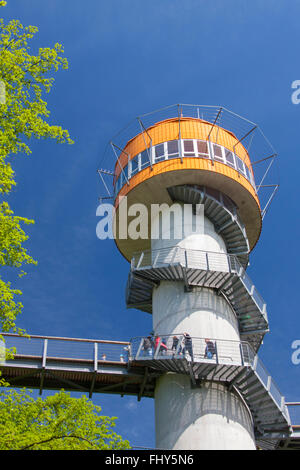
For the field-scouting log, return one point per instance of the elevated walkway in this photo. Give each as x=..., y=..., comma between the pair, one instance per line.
x=196, y=268
x=293, y=441
x=234, y=363
x=124, y=368
x=90, y=366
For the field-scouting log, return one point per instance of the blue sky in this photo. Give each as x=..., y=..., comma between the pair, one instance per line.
x=127, y=58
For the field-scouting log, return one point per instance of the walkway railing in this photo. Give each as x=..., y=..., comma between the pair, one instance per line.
x=175, y=347
x=67, y=349
x=198, y=349
x=206, y=260
x=259, y=149
x=197, y=259
x=207, y=350
x=294, y=411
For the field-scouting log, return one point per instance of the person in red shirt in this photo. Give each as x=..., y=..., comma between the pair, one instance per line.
x=162, y=348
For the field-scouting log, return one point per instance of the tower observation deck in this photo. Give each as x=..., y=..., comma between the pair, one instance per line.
x=190, y=272
x=190, y=186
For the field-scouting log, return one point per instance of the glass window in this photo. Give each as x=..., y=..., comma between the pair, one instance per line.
x=188, y=146
x=218, y=153
x=145, y=159
x=240, y=165
x=134, y=165
x=173, y=148
x=159, y=152
x=202, y=148
x=229, y=158
x=247, y=172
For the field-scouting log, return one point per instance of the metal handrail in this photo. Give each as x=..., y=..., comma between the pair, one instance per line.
x=64, y=338
x=179, y=253
x=242, y=356
x=191, y=258
x=125, y=171
x=62, y=348
x=241, y=353
x=296, y=420
x=260, y=152
x=229, y=352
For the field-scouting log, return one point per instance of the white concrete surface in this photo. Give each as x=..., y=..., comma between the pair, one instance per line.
x=209, y=417
x=205, y=239
x=201, y=313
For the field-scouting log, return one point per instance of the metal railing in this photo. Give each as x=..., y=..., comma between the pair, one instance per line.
x=67, y=349
x=294, y=411
x=205, y=260
x=126, y=174
x=175, y=347
x=213, y=351
x=261, y=152
x=207, y=350
x=197, y=259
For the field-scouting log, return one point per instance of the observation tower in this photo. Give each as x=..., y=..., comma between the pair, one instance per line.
x=210, y=173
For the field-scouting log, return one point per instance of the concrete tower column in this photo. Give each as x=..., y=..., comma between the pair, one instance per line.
x=211, y=416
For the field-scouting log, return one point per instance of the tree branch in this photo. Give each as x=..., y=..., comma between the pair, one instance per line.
x=59, y=437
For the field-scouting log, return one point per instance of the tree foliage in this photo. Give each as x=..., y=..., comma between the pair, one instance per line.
x=24, y=78
x=57, y=422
